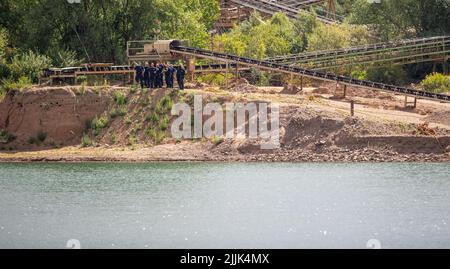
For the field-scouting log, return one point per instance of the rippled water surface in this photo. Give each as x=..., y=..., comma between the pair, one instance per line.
x=204, y=205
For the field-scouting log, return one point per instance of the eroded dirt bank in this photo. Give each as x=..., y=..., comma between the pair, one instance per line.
x=50, y=124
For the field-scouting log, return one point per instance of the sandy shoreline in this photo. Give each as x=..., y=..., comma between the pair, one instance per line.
x=206, y=152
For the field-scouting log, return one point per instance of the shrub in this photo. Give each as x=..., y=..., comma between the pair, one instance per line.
x=216, y=140
x=119, y=112
x=41, y=136
x=33, y=141
x=128, y=121
x=154, y=118
x=11, y=85
x=213, y=79
x=65, y=58
x=120, y=98
x=155, y=136
x=86, y=141
x=390, y=75
x=29, y=64
x=437, y=83
x=98, y=124
x=165, y=104
x=133, y=89
x=359, y=74
x=6, y=137
x=164, y=124
x=132, y=140
x=83, y=87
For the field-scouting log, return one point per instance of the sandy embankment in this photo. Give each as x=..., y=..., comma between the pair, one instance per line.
x=316, y=126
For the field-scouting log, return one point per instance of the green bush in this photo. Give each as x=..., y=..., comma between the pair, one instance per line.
x=165, y=104
x=6, y=137
x=118, y=112
x=86, y=141
x=41, y=136
x=359, y=74
x=437, y=83
x=98, y=124
x=120, y=98
x=155, y=136
x=33, y=141
x=133, y=89
x=164, y=124
x=132, y=140
x=213, y=79
x=12, y=85
x=65, y=58
x=153, y=118
x=29, y=64
x=217, y=140
x=387, y=74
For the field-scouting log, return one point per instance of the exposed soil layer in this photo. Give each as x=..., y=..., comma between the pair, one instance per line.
x=48, y=124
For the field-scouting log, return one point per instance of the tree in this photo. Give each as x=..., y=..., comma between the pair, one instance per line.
x=327, y=37
x=396, y=19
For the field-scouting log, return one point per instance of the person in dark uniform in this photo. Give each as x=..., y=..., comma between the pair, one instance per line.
x=180, y=77
x=139, y=74
x=157, y=76
x=147, y=75
x=173, y=71
x=161, y=75
x=167, y=73
x=152, y=71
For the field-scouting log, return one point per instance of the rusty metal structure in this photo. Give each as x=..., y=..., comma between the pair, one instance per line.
x=236, y=11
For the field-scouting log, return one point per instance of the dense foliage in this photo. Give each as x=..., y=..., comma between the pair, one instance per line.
x=437, y=83
x=39, y=33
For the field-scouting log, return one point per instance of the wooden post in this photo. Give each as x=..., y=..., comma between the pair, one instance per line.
x=352, y=108
x=415, y=102
x=345, y=91
x=226, y=75
x=445, y=67
x=301, y=83
x=406, y=101
x=192, y=68
x=237, y=70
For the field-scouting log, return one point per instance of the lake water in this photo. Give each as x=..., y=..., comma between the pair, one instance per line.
x=209, y=205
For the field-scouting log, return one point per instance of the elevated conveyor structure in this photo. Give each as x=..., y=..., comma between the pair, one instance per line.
x=282, y=68
x=401, y=52
x=271, y=7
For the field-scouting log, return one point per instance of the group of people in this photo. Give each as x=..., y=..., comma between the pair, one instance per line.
x=153, y=76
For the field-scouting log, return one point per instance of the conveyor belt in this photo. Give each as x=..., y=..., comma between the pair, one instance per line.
x=300, y=3
x=412, y=50
x=307, y=73
x=269, y=7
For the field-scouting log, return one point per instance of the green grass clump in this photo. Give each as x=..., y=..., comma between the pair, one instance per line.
x=133, y=89
x=216, y=140
x=155, y=136
x=99, y=124
x=153, y=118
x=6, y=137
x=164, y=105
x=128, y=121
x=12, y=85
x=33, y=141
x=132, y=140
x=86, y=141
x=41, y=136
x=119, y=112
x=119, y=98
x=164, y=124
